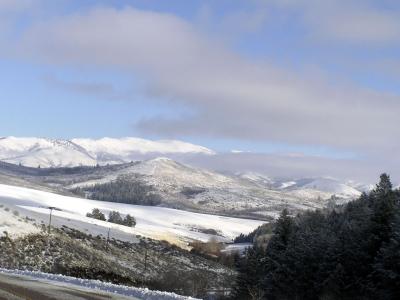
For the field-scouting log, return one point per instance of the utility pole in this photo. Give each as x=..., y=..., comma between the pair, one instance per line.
x=108, y=237
x=145, y=258
x=51, y=212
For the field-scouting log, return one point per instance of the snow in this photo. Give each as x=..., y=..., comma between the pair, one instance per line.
x=33, y=151
x=155, y=222
x=13, y=224
x=287, y=184
x=139, y=293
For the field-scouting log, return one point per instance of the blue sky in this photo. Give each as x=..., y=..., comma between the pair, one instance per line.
x=320, y=79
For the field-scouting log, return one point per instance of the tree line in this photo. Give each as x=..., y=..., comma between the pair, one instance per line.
x=122, y=190
x=113, y=217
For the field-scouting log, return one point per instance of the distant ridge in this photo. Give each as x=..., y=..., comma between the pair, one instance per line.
x=43, y=152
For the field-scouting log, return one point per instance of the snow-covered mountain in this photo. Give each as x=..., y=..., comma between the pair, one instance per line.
x=246, y=195
x=322, y=187
x=34, y=152
x=323, y=184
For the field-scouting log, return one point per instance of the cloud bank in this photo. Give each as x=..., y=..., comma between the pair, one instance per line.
x=232, y=97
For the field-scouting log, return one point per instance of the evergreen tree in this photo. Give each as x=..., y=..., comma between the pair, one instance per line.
x=384, y=186
x=115, y=217
x=345, y=252
x=96, y=214
x=129, y=221
x=248, y=284
x=386, y=275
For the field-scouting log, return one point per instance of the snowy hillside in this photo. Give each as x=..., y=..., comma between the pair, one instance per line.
x=44, y=152
x=155, y=222
x=195, y=189
x=181, y=186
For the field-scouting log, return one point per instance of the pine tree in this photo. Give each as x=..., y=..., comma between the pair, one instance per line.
x=384, y=186
x=283, y=229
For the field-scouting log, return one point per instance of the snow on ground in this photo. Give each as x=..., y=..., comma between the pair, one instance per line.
x=12, y=223
x=155, y=222
x=138, y=293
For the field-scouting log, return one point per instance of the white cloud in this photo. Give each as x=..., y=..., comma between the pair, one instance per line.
x=232, y=97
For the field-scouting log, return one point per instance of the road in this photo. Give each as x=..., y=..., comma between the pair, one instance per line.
x=13, y=287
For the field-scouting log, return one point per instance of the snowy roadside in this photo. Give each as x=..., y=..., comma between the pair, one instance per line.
x=139, y=293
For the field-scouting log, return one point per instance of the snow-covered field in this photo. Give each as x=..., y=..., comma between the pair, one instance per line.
x=155, y=222
x=137, y=293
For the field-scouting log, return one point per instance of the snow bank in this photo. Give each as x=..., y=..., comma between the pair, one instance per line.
x=141, y=293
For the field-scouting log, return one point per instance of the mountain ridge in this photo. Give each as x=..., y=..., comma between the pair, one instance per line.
x=44, y=152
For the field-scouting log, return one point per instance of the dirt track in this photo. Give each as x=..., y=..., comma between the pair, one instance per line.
x=20, y=287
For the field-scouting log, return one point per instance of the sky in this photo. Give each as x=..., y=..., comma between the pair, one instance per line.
x=303, y=87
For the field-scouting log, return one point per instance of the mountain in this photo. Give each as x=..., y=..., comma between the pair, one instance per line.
x=255, y=177
x=43, y=152
x=185, y=187
x=323, y=187
x=34, y=152
x=245, y=194
x=323, y=184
